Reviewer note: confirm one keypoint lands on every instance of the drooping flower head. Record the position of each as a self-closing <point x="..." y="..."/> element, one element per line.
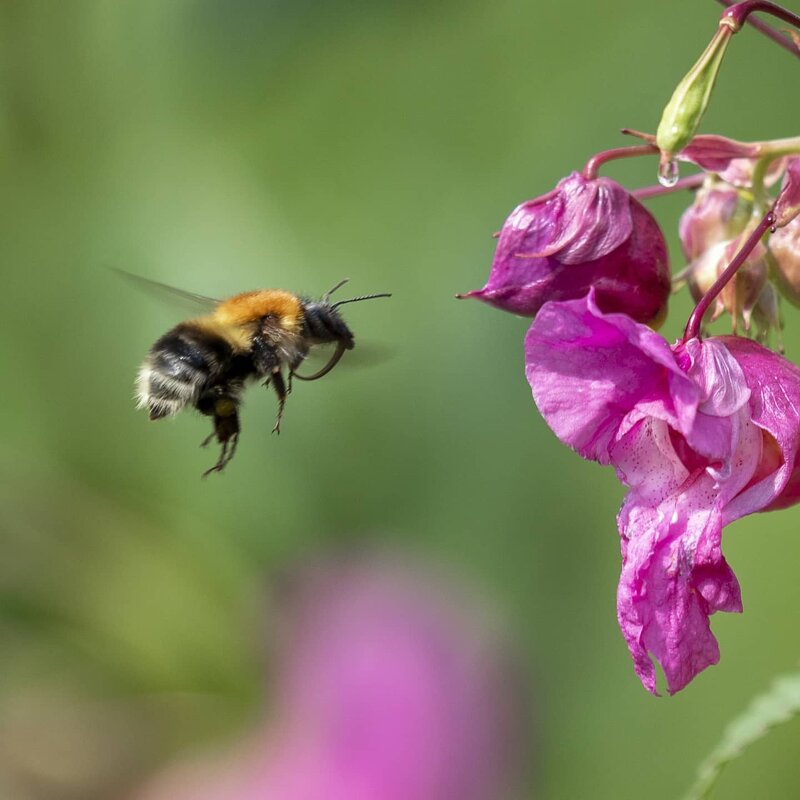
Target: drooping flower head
<point x="588" y="233"/>
<point x="701" y="433"/>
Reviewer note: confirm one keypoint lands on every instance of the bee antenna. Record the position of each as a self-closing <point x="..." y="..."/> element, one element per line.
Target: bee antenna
<point x="339" y="285"/>
<point x="358" y="299"/>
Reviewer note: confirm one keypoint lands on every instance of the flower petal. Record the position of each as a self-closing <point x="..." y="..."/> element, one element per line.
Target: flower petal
<point x="594" y="219"/>
<point x="718" y="375"/>
<point x="774" y="404"/>
<point x="667" y="591"/>
<point x="589" y="370"/>
<point x="673" y="573"/>
<point x="715" y="153"/>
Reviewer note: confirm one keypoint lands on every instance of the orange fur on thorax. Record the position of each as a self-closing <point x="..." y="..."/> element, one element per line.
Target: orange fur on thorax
<point x="251" y="306"/>
<point x="239" y="337"/>
<point x="236" y="318"/>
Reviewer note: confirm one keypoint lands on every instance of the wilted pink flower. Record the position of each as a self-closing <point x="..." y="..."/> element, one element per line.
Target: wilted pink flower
<point x="389" y="690"/>
<point x="586" y="233"/>
<point x="702" y="433"/>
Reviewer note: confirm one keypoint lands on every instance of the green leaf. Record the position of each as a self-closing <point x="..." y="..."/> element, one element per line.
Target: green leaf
<point x="778" y="705"/>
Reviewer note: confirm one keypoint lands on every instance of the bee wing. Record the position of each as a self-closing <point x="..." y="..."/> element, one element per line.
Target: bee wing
<point x="190" y="299"/>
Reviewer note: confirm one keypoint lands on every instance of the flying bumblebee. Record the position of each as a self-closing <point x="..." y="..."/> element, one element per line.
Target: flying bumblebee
<point x="206" y="362"/>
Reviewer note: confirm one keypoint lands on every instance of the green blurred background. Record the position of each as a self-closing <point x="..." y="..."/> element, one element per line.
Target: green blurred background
<point x="222" y="146"/>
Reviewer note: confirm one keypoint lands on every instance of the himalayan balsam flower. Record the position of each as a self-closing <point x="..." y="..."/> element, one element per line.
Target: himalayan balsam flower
<point x="586" y="233"/>
<point x="701" y="433"/>
<point x="388" y="690"/>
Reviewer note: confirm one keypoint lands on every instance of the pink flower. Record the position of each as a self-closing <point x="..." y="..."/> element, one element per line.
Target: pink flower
<point x="388" y="690"/>
<point x="586" y="233"/>
<point x="701" y="433"/>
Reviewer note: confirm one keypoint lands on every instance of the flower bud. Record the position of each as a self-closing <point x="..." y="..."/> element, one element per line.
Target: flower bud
<point x="586" y="233"/>
<point x="740" y="296"/>
<point x="784" y="248"/>
<point x="787" y="206"/>
<point x="717" y="214"/>
<point x="767" y="316"/>
<point x="689" y="101"/>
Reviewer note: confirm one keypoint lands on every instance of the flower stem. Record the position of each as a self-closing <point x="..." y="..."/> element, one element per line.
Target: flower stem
<point x="689" y="182"/>
<point x="596" y="161"/>
<point x="737" y="13"/>
<point x="695" y="320"/>
<point x="769" y="31"/>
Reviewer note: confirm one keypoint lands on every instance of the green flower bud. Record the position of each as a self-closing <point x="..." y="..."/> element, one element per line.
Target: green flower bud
<point x="689" y="101"/>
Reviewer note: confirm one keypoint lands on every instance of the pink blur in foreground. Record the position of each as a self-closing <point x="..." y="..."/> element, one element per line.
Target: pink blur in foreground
<point x="388" y="689"/>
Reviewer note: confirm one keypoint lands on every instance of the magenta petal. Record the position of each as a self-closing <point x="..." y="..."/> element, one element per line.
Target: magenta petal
<point x="673" y="573"/>
<point x="668" y="588"/>
<point x="774" y="384"/>
<point x="594" y="219"/>
<point x="719" y="377"/>
<point x="588" y="370"/>
<point x="715" y="153"/>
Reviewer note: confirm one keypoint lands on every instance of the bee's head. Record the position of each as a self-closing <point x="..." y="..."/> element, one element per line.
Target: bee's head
<point x="323" y="321"/>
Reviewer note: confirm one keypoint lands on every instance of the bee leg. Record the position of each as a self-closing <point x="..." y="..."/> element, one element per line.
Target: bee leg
<point x="226" y="431"/>
<point x="226" y="454"/>
<point x="280" y="389"/>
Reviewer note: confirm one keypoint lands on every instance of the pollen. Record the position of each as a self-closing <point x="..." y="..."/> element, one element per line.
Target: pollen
<point x="225" y="407"/>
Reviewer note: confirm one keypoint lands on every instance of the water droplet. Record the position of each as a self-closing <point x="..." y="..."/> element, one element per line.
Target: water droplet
<point x="668" y="173"/>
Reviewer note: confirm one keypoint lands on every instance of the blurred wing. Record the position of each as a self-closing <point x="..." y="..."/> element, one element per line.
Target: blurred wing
<point x="321" y="355"/>
<point x="191" y="300"/>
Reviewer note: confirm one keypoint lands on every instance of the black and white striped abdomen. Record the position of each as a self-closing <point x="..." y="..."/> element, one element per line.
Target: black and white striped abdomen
<point x="178" y="367"/>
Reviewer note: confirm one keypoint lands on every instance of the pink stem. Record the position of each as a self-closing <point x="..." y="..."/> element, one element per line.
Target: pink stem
<point x="695" y="320"/>
<point x="689" y="182"/>
<point x="768" y="30"/>
<point x="596" y="161"/>
<point x="739" y="12"/>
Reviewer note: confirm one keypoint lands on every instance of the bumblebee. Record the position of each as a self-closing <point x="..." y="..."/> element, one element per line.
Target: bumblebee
<point x="206" y="362"/>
